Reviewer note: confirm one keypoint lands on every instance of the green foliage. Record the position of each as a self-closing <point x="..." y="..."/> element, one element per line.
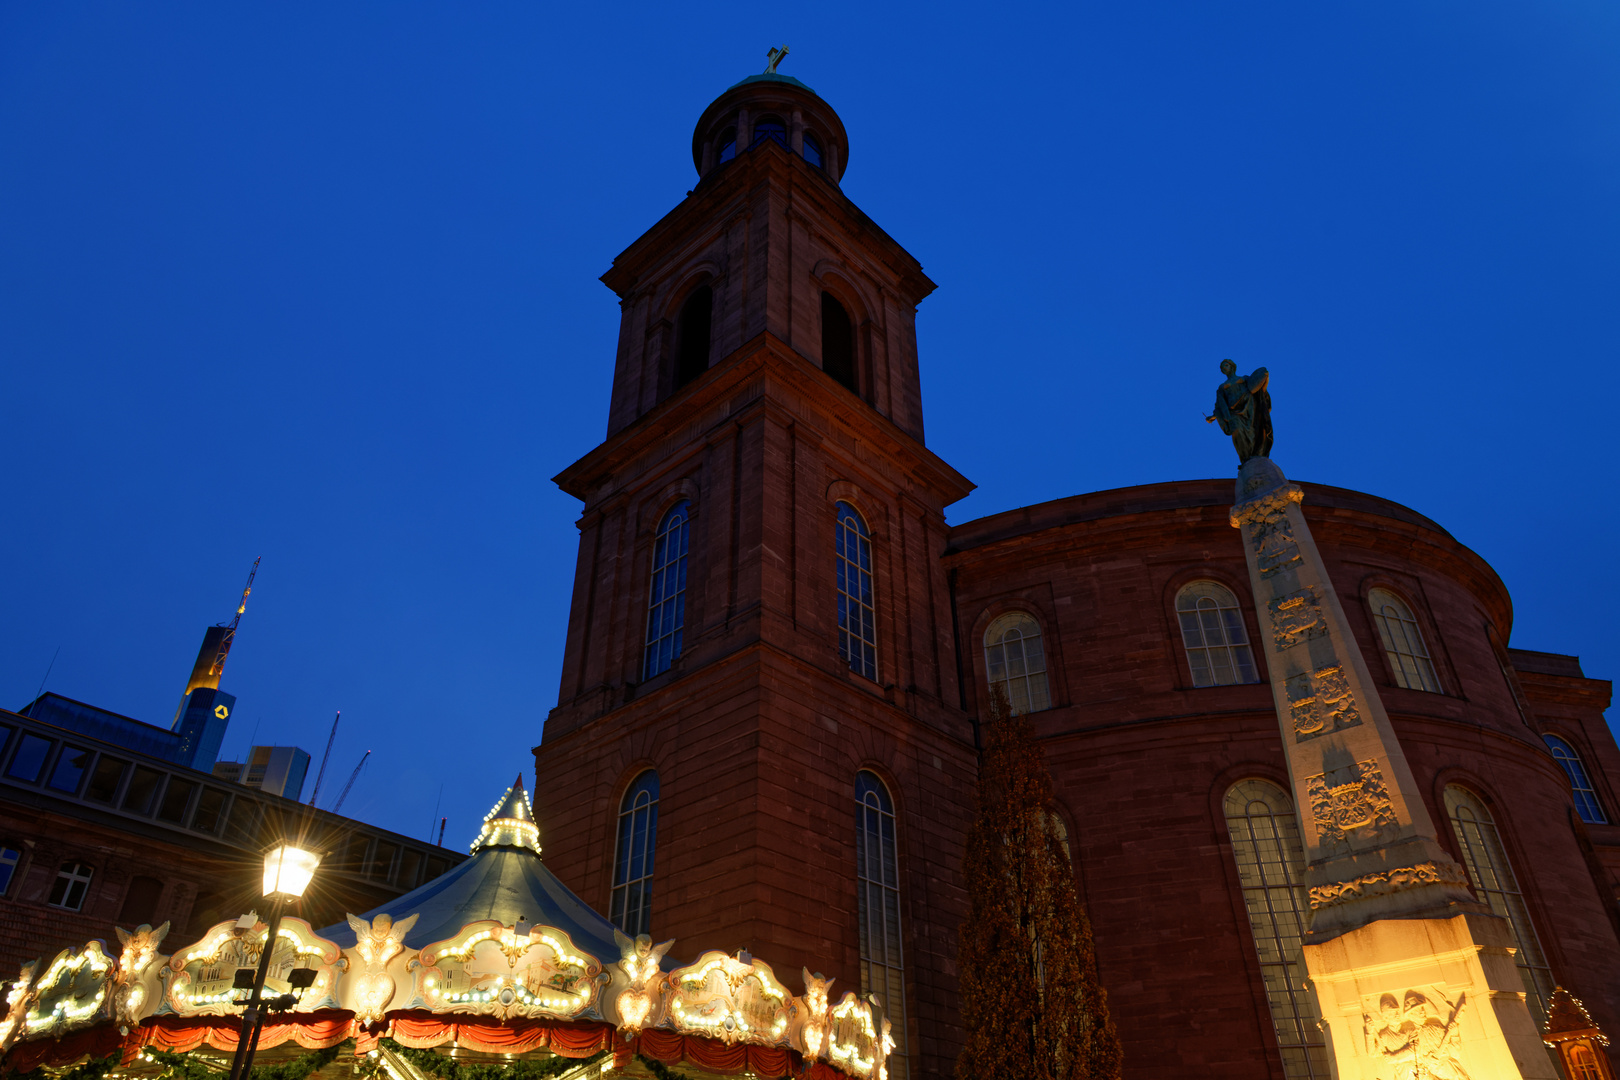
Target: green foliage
<point x="1032" y="1007"/>
<point x="94" y="1069"/>
<point x="660" y="1070"/>
<point x="186" y="1067"/>
<point x="448" y="1068"/>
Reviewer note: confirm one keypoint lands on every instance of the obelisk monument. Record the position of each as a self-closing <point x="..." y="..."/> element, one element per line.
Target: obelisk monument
<point x="1413" y="976"/>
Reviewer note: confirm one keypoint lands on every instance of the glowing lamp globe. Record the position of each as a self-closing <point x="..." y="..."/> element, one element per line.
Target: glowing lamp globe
<point x="287" y="870"/>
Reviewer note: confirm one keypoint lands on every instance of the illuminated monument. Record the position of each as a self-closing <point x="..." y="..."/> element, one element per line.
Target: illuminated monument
<point x="1410" y="971"/>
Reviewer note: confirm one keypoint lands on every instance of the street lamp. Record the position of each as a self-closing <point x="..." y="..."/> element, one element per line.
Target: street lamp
<point x="287" y="870"/>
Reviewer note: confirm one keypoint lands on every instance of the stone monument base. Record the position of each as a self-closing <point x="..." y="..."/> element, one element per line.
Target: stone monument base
<point x="1411" y="999"/>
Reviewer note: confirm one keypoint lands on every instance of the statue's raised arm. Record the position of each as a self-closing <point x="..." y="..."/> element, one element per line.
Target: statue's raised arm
<point x="1243" y="409"/>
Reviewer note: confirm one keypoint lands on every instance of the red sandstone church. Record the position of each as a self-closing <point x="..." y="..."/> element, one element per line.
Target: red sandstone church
<point x="779" y="654"/>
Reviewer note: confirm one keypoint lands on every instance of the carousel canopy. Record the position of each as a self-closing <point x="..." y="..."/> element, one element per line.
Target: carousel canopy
<point x="496" y="959"/>
<point x="504" y="880"/>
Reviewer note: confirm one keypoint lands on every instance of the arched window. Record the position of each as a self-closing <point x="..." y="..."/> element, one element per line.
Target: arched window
<point x="728" y="145"/>
<point x="837" y="341"/>
<point x="1271" y="870"/>
<point x="1212" y="631"/>
<point x="1586" y="800"/>
<point x="692" y="336"/>
<point x="769" y="127"/>
<point x="812" y="149"/>
<point x="666" y="608"/>
<point x="1494" y="883"/>
<point x="631" y="907"/>
<point x="877" y="881"/>
<point x="1583" y="1064"/>
<point x="71" y="885"/>
<point x="141" y="901"/>
<point x="1015" y="659"/>
<point x="1403" y="642"/>
<point x="857" y="611"/>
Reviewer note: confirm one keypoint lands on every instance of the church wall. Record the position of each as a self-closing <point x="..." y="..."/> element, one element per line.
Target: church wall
<point x="757" y="755"/>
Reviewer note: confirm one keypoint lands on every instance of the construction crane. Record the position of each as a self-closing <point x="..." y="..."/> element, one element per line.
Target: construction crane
<point x="218" y="667"/>
<point x="322" y="774"/>
<point x="344" y="794"/>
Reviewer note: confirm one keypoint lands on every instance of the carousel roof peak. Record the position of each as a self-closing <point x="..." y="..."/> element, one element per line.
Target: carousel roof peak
<point x="504" y="880"/>
<point x="510" y="822"/>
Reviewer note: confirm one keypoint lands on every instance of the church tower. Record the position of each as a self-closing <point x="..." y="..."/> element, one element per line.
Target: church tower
<point x="760" y="740"/>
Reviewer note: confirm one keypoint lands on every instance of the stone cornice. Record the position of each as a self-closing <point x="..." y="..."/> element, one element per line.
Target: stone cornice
<point x="1339" y="517"/>
<point x="713" y="399"/>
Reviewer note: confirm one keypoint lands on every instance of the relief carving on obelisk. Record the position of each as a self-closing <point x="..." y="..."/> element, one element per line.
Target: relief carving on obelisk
<point x="1321" y="702"/>
<point x="1416" y="1035"/>
<point x="1274" y="542"/>
<point x="1351" y="807"/>
<point x="1297" y="617"/>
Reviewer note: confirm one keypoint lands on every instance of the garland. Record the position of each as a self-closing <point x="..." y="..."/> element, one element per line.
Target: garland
<point x="448" y="1068"/>
<point x="94" y="1069"/>
<point x="660" y="1070"/>
<point x="185" y="1067"/>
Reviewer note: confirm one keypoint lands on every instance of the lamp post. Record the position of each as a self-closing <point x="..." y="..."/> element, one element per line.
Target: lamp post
<point x="287" y="870"/>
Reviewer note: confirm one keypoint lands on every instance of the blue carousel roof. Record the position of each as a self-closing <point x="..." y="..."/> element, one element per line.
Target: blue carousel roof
<point x="504" y="880"/>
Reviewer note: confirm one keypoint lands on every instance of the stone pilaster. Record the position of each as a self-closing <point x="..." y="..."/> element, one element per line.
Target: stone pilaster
<point x="1408" y="969"/>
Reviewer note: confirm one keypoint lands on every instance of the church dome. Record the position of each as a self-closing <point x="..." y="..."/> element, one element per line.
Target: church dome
<point x="766" y="108"/>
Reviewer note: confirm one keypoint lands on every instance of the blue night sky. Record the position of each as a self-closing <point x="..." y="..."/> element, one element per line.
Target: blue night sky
<point x="319" y="282"/>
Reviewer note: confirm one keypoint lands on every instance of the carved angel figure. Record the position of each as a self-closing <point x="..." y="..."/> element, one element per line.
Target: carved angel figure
<point x="19" y="996"/>
<point x="817" y="994"/>
<point x="641" y="962"/>
<point x="136" y="979"/>
<point x="1416" y="1042"/>
<point x="377" y="942"/>
<point x="1434" y="1040"/>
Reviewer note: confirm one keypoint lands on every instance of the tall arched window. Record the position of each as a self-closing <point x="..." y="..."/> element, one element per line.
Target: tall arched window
<point x="1212" y="631"/>
<point x="837" y="341"/>
<point x="71" y="885"/>
<point x="631" y="906"/>
<point x="666" y="608"/>
<point x="1494" y="883"/>
<point x="812" y="149"/>
<point x="877" y="881"/>
<point x="692" y="335"/>
<point x="728" y="145"/>
<point x="1586" y="800"/>
<point x="1015" y="659"/>
<point x="857" y="610"/>
<point x="1403" y="642"/>
<point x="1271" y="869"/>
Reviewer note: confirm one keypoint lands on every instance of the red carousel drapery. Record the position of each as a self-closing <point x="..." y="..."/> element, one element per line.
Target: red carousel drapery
<point x="421" y="1030"/>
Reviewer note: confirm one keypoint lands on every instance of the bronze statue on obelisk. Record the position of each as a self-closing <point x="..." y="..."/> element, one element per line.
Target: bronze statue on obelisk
<point x="1243" y="409"/>
<point x="1391" y="915"/>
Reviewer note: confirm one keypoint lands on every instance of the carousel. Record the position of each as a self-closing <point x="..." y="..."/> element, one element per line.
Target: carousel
<point x="493" y="971"/>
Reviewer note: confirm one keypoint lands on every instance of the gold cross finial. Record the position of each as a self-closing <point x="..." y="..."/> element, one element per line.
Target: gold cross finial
<point x="775" y="56"/>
